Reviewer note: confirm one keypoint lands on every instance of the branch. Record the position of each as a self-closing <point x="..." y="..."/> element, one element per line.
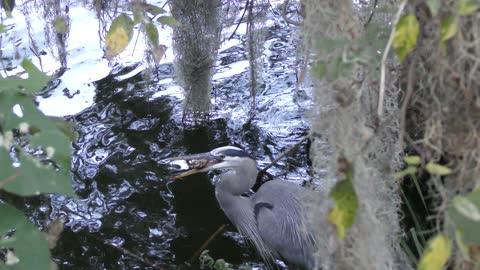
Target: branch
<point x="403" y="110"/>
<point x="284" y="153"/>
<point x="284" y="15"/>
<point x="205" y="244"/>
<point x="241" y="19"/>
<point x="384" y="60"/>
<point x="371" y="14"/>
<point x="125" y="252"/>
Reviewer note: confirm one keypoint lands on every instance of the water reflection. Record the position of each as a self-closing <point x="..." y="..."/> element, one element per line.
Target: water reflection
<point x="128" y="125"/>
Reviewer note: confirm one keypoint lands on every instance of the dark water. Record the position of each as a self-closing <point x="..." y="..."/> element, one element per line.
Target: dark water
<point x="119" y="172"/>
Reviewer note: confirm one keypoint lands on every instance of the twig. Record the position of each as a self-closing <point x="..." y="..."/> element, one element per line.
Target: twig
<point x="135" y="45"/>
<point x="126" y="252"/>
<point x="9" y="179"/>
<point x="371" y="14"/>
<point x="284" y="15"/>
<point x="205" y="244"/>
<point x="403" y="110"/>
<point x="303" y="70"/>
<point x="241" y="19"/>
<point x="384" y="59"/>
<point x="284" y="153"/>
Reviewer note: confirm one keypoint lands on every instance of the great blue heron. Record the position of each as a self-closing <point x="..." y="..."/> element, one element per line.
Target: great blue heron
<point x="273" y="219"/>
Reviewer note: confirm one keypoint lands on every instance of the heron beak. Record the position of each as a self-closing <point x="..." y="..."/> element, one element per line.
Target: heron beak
<point x="196" y="163"/>
<point x="189" y="172"/>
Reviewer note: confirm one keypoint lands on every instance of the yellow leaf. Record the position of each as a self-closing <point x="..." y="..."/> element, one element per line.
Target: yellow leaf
<point x="437" y="169"/>
<point x="412" y="160"/>
<point x="436" y="254"/>
<point x="467" y="7"/>
<point x="337" y="217"/>
<point x="408" y="171"/>
<point x="346" y="203"/>
<point x="405" y="36"/>
<point x="448" y="28"/>
<point x="60" y="25"/>
<point x="119" y="35"/>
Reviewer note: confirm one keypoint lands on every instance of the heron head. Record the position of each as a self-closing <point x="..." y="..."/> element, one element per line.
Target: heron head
<point x="220" y="158"/>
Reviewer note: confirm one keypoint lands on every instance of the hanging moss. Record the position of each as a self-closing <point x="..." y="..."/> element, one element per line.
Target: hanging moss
<point x="347" y="125"/>
<point x="196" y="42"/>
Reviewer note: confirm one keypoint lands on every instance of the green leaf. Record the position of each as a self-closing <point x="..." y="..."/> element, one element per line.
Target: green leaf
<point x="346" y="203"/>
<point x="448" y="28"/>
<point x="36" y="80"/>
<point x="119" y="35"/>
<point x="137" y="18"/>
<point x="466" y="208"/>
<point x="464" y="214"/>
<point x="405" y="36"/>
<point x="152" y="9"/>
<point x="467" y="7"/>
<point x="40" y="130"/>
<point x="333" y="69"/>
<point x="3" y="29"/>
<point x="8" y="119"/>
<point x="437" y="253"/>
<point x="327" y="44"/>
<point x="437" y="169"/>
<point x="434" y="6"/>
<point x="152" y="34"/>
<point x="320" y="69"/>
<point x="46" y="132"/>
<point x="30" y="247"/>
<point x="412" y="160"/>
<point x="169" y="20"/>
<point x="33" y="178"/>
<point x="461" y="245"/>
<point x="64" y="127"/>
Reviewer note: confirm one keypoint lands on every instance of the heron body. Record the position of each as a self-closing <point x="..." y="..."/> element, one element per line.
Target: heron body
<point x="274" y="219"/>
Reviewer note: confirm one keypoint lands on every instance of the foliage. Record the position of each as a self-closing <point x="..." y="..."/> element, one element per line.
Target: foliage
<point x="24" y="129"/>
<point x="26" y="247"/>
<point x="467" y="7"/>
<point x="446" y="139"/>
<point x="119" y="35"/>
<point x="436" y="254"/>
<point x="206" y="261"/>
<point x="464" y="216"/>
<point x="405" y="36"/>
<point x="121" y="30"/>
<point x="34" y="176"/>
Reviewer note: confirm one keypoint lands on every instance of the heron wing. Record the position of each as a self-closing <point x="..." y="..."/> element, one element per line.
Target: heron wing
<point x="280" y="213"/>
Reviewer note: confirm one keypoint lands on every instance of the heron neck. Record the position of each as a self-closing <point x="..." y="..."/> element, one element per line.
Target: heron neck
<point x="237" y="181"/>
<point x="237" y="208"/>
<point x="240" y="212"/>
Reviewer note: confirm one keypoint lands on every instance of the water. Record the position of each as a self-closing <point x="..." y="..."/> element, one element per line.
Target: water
<point x="127" y="127"/>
